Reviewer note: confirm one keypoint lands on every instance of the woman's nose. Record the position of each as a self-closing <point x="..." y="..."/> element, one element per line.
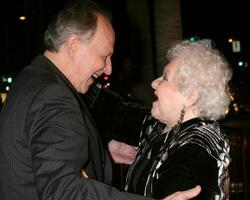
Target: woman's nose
<point x="155" y="83"/>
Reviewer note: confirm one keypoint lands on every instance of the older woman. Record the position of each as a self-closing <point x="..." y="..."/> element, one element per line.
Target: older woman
<point x="182" y="144"/>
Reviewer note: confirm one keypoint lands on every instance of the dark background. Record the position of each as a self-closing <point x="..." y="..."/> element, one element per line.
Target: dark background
<point x="215" y="20"/>
<point x="219" y="21"/>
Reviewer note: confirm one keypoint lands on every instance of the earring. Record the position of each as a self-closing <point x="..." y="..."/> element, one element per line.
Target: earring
<point x="182" y="115"/>
<point x="177" y="126"/>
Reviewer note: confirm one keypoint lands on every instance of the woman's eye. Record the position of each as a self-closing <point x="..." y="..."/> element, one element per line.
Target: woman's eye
<point x="164" y="77"/>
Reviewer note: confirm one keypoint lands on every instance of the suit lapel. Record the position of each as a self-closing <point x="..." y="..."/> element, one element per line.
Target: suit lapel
<point x="96" y="149"/>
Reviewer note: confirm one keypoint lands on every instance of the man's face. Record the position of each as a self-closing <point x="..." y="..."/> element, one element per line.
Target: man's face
<point x="93" y="57"/>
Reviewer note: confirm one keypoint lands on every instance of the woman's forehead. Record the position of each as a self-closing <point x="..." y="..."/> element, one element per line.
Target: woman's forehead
<point x="171" y="66"/>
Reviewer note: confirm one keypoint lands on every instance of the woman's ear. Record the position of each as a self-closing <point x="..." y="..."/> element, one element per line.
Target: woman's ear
<point x="191" y="99"/>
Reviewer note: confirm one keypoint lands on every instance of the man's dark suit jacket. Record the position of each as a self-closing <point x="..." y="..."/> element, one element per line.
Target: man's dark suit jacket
<point x="47" y="136"/>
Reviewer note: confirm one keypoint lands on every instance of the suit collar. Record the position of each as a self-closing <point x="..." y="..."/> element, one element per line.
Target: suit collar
<point x="93" y="135"/>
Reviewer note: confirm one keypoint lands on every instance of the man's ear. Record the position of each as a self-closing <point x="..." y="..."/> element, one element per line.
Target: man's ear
<point x="72" y="45"/>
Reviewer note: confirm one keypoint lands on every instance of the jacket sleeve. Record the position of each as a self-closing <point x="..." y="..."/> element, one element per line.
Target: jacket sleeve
<point x="189" y="166"/>
<point x="59" y="147"/>
<point x="114" y="117"/>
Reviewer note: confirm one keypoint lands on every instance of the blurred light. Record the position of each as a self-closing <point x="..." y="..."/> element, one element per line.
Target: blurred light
<point x="7" y="88"/>
<point x="106" y="78"/>
<point x="3" y="97"/>
<point x="22" y="18"/>
<point x="231" y="97"/>
<point x="230" y="40"/>
<point x="236" y="108"/>
<point x="240" y="63"/>
<point x="193" y="39"/>
<point x="9" y="80"/>
<point x="236" y="47"/>
<point x="108" y="84"/>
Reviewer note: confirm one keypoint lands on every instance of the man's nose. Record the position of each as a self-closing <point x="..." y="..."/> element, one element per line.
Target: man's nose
<point x="108" y="68"/>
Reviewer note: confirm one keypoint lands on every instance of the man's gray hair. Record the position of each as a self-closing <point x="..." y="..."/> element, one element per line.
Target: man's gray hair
<point x="78" y="17"/>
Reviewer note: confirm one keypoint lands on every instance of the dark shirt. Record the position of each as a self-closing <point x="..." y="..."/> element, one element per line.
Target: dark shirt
<point x="47" y="136"/>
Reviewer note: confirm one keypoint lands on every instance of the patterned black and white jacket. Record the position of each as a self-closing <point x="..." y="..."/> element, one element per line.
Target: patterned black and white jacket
<point x="196" y="152"/>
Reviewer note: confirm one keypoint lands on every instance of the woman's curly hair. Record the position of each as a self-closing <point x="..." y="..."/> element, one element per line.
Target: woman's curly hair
<point x="204" y="70"/>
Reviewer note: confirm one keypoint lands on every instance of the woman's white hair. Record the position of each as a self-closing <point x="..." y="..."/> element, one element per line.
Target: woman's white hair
<point x="204" y="71"/>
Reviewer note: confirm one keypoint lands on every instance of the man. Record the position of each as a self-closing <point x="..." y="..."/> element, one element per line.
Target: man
<point x="47" y="135"/>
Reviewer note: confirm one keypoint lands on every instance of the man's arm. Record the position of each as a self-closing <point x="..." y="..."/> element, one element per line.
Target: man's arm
<point x="60" y="147"/>
<point x="122" y="120"/>
<point x="121" y="152"/>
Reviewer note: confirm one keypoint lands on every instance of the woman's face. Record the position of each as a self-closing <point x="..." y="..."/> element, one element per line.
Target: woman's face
<point x="169" y="101"/>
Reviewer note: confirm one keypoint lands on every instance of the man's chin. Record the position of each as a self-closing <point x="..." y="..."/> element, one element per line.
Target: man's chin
<point x="84" y="89"/>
